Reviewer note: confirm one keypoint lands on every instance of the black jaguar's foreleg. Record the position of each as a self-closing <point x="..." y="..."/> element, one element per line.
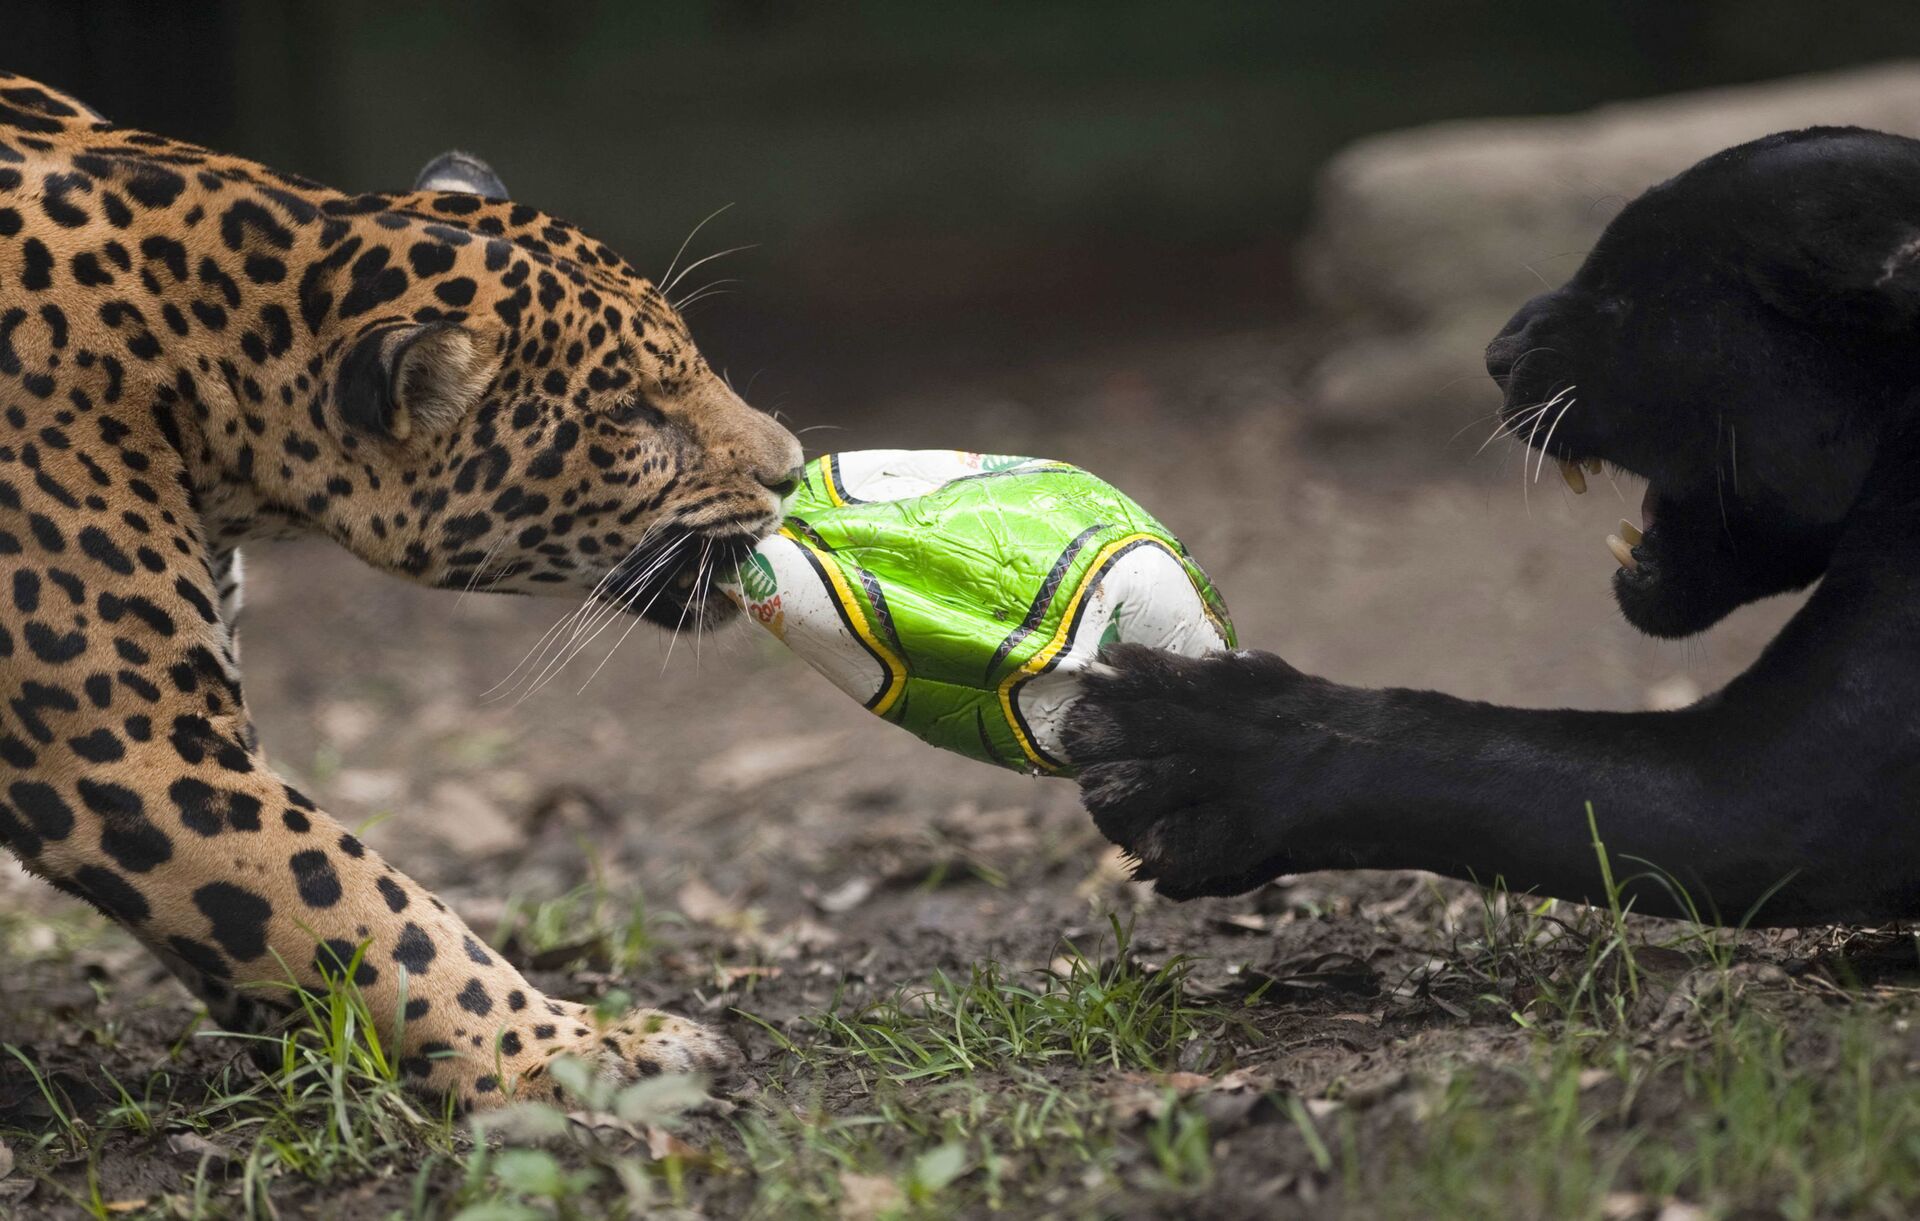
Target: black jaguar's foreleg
<point x="1787" y="798"/>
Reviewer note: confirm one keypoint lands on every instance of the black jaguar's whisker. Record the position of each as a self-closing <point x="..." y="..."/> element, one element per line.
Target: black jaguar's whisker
<point x="1525" y="496"/>
<point x="1520" y="420"/>
<point x="1547" y="445"/>
<point x="1614" y="483"/>
<point x="1507" y="427"/>
<point x="1522" y="358"/>
<point x="1490" y="415"/>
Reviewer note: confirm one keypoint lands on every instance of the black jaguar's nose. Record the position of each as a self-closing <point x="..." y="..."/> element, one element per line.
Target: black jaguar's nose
<point x="1515" y="339"/>
<point x="1501" y="355"/>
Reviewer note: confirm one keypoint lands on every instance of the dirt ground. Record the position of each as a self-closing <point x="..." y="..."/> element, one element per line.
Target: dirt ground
<point x="794" y="854"/>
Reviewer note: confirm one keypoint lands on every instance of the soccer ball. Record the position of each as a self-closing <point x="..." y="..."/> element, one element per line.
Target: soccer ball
<point x="960" y="595"/>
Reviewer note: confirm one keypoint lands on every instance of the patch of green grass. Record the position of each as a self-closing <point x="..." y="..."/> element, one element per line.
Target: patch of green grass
<point x="1743" y="1116"/>
<point x="327" y="1108"/>
<point x="1751" y="1121"/>
<point x="330" y="1105"/>
<point x="531" y="1162"/>
<point x="323" y="1104"/>
<point x="1578" y="970"/>
<point x="1014" y="1143"/>
<point x="991" y="1091"/>
<point x="588" y="924"/>
<point x="1083" y="1011"/>
<point x="1005" y="1144"/>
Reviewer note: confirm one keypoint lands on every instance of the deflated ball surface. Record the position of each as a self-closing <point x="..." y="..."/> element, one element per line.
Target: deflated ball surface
<point x="960" y="595"/>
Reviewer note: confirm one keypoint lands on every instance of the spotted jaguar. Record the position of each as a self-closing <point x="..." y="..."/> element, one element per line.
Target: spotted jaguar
<point x="197" y="352"/>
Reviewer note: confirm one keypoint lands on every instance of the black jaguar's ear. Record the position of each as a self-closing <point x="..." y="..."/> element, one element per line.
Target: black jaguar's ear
<point x="457" y="171"/>
<point x="400" y="380"/>
<point x="1896" y="285"/>
<point x="1859" y="273"/>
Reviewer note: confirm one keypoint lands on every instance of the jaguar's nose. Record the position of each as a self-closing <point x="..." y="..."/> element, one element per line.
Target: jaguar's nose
<point x="1515" y="339"/>
<point x="1502" y="354"/>
<point x="785" y="485"/>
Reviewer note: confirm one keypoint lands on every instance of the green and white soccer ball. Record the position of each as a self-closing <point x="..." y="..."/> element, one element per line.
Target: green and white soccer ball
<point x="961" y="595"/>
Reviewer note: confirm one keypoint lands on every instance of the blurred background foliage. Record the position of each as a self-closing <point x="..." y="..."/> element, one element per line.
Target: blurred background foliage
<point x="968" y="181"/>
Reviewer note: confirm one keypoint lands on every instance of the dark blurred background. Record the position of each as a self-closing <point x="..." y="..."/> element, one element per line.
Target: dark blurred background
<point x="929" y="185"/>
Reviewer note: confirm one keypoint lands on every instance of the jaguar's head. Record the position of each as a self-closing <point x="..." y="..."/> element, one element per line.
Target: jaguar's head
<point x="532" y="415"/>
<point x="1742" y="337"/>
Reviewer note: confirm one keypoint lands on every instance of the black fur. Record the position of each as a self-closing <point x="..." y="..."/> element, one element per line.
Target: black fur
<point x="1745" y="336"/>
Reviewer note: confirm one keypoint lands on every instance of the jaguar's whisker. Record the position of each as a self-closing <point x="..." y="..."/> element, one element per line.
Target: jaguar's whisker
<point x="682" y="621"/>
<point x="551" y="636"/>
<point x="667" y="288"/>
<point x="1546" y="445"/>
<point x="1508" y="428"/>
<point x="702" y="295"/>
<point x="685" y="242"/>
<point x="638" y="618"/>
<point x="613" y="607"/>
<point x="481" y="569"/>
<point x="697" y="293"/>
<point x="1525" y="497"/>
<point x="703" y="589"/>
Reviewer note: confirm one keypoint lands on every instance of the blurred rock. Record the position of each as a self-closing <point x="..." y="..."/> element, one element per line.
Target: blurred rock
<point x="767" y="761"/>
<point x="347" y="723"/>
<point x="842" y="898"/>
<point x="1425" y="241"/>
<point x="470" y="823"/>
<point x="368" y="786"/>
<point x="1672" y="693"/>
<point x="570" y="808"/>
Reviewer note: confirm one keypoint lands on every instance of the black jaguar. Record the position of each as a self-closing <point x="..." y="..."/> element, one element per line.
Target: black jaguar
<point x="1745" y="338"/>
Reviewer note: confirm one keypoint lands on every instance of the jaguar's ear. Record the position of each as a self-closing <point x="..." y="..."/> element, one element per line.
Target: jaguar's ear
<point x="457" y="171"/>
<point x="1896" y="285"/>
<point x="402" y="380"/>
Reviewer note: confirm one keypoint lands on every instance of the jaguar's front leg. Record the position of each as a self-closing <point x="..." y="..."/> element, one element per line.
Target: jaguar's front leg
<point x="221" y="866"/>
<point x="139" y="792"/>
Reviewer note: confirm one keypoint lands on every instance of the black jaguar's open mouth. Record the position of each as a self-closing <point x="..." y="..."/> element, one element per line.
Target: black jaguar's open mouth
<point x="1672" y="576"/>
<point x="1633" y="546"/>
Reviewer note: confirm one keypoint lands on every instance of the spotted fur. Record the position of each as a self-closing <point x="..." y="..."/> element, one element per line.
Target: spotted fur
<point x="197" y="352"/>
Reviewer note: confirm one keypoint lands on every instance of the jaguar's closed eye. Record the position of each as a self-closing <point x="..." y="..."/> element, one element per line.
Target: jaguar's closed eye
<point x="635" y="409"/>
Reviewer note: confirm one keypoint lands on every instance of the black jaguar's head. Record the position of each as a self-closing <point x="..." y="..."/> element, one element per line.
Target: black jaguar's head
<point x="1746" y="338"/>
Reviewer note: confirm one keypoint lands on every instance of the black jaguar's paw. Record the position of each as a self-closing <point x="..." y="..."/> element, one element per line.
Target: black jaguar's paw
<point x="1177" y="764"/>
